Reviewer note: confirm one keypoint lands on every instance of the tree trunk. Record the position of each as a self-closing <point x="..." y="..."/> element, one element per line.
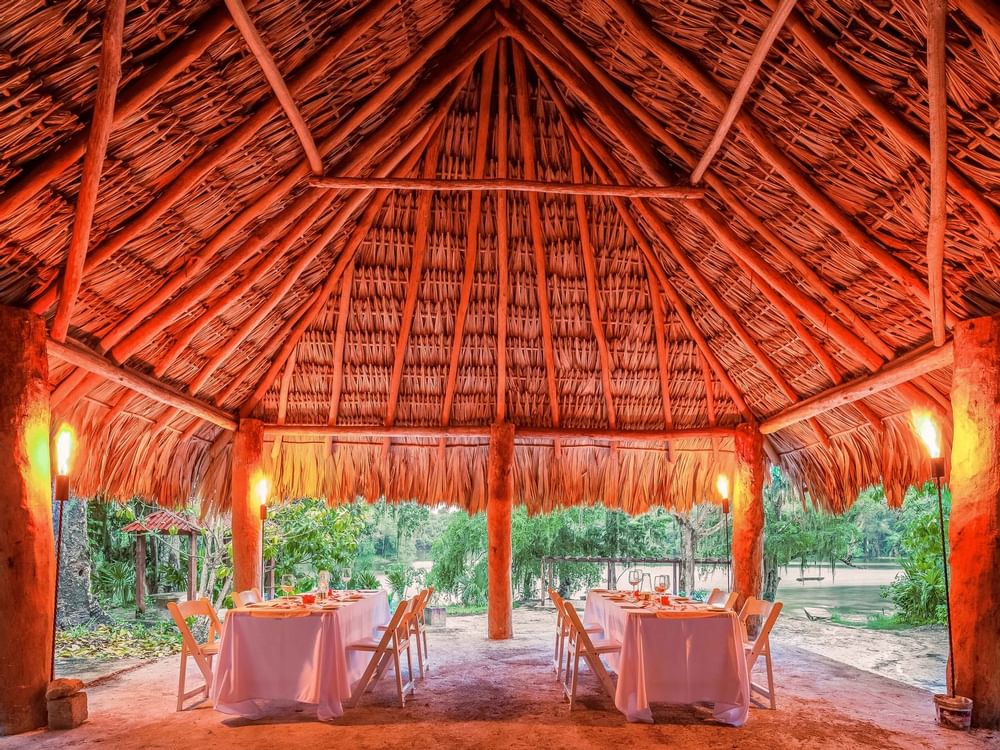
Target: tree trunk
<point x="771" y="578"/>
<point x="77" y="605"/>
<point x="689" y="547"/>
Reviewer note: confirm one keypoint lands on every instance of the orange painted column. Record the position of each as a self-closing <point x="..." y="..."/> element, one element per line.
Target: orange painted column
<point x="27" y="548"/>
<point x="748" y="513"/>
<point x="975" y="517"/>
<point x="247" y="470"/>
<point x="500" y="491"/>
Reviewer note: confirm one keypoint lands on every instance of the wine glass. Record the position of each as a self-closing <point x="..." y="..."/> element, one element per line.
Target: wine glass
<point x="660" y="584"/>
<point x="322" y="584"/>
<point x="635" y="578"/>
<point x="345" y="576"/>
<point x="288" y="584"/>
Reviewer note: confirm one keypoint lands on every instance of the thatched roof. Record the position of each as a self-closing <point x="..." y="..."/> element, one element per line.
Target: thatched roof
<point x="216" y="266"/>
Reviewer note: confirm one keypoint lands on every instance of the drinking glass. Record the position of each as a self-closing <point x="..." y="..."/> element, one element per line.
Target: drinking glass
<point x="345" y="576"/>
<point x="322" y="584"/>
<point x="288" y="584"/>
<point x="660" y="584"/>
<point x="635" y="578"/>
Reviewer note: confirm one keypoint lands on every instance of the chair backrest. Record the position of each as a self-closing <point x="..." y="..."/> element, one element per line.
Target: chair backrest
<point x="243" y="598"/>
<point x="558" y="601"/>
<point x="396" y="622"/>
<point x="180" y="612"/>
<point x="767" y="612"/>
<point x="731" y="598"/>
<point x="728" y="601"/>
<point x="716" y="597"/>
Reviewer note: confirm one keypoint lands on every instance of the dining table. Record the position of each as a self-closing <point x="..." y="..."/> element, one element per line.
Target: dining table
<point x="283" y="654"/>
<point x="682" y="653"/>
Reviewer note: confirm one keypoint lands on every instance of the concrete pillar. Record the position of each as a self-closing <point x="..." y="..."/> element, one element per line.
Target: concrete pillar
<point x="748" y="513"/>
<point x="27" y="548"/>
<point x="975" y="517"/>
<point x="500" y="489"/>
<point x="247" y="470"/>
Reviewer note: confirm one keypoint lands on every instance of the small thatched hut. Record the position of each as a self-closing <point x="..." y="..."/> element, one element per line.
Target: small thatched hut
<point x="529" y="251"/>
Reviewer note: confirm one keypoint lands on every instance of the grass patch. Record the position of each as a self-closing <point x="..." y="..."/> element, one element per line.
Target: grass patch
<point x="461" y="610"/>
<point x="872" y="622"/>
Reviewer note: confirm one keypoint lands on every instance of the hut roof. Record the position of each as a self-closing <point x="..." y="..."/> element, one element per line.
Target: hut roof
<point x="220" y="266"/>
<point x="162" y="521"/>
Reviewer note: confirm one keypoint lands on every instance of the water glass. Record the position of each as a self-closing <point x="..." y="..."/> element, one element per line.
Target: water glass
<point x="288" y="584"/>
<point x="661" y="583"/>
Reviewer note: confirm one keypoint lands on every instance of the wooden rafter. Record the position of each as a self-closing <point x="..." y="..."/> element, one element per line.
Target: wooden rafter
<point x="536" y="227"/>
<point x="771" y="32"/>
<point x="895" y="373"/>
<point x="472" y="235"/>
<point x="604" y="85"/>
<point x="78" y="355"/>
<point x="429" y="129"/>
<point x="270" y="70"/>
<point x="937" y="99"/>
<point x="343" y="315"/>
<point x="503" y="230"/>
<point x="345" y="128"/>
<point x="108" y="75"/>
<point x="986" y="15"/>
<point x="480" y="185"/>
<point x="286" y="385"/>
<point x="590" y="269"/>
<point x="422" y="228"/>
<point x="662" y="350"/>
<point x="381" y="432"/>
<point x="892" y="121"/>
<point x="680" y="64"/>
<point x="185" y="50"/>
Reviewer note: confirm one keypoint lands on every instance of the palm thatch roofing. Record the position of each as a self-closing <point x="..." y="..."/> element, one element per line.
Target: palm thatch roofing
<point x="218" y="264"/>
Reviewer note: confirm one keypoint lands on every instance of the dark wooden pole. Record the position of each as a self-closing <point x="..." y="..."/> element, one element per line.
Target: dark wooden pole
<point x="27" y="549"/>
<point x="500" y="488"/>
<point x="975" y="517"/>
<point x="748" y="513"/>
<point x="247" y="470"/>
<point x="192" y="565"/>
<point x="140" y="573"/>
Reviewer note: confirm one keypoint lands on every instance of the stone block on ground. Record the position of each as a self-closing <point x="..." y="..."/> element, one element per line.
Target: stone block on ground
<point x="69" y="712"/>
<point x="63" y="687"/>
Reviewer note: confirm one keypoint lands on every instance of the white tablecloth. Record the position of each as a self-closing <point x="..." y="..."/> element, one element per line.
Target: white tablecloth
<point x="267" y="664"/>
<point x="679" y="660"/>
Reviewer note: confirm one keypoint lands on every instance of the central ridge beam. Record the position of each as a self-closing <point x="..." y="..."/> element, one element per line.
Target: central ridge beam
<point x="479" y="185"/>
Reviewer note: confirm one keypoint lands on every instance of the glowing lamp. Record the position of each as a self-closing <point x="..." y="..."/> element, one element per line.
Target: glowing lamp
<point x="64" y="454"/>
<point x="927" y="430"/>
<point x="262" y="489"/>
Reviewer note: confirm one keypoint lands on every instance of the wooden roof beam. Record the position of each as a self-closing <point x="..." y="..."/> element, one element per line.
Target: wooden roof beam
<point x="893" y="122"/>
<point x="771" y="32"/>
<point x="680" y="64"/>
<point x="662" y="350"/>
<point x="937" y="99"/>
<point x="76" y="354"/>
<point x="472" y="236"/>
<point x="343" y="315"/>
<point x="503" y="229"/>
<point x="590" y="269"/>
<point x="477" y="185"/>
<point x="270" y="69"/>
<point x="381" y="432"/>
<point x="286" y="385"/>
<point x="604" y="85"/>
<point x="108" y="75"/>
<point x="422" y="228"/>
<point x="193" y="175"/>
<point x="460" y="65"/>
<point x="182" y="52"/>
<point x="895" y="373"/>
<point x="537" y="229"/>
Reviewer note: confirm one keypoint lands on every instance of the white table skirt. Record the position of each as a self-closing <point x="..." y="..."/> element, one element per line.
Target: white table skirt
<point x="676" y="660"/>
<point x="266" y="664"/>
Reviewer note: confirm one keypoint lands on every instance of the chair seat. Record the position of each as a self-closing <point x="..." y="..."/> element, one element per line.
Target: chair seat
<point x="209" y="649"/>
<point x="606" y="646"/>
<point x="365" y="644"/>
<point x="593" y="629"/>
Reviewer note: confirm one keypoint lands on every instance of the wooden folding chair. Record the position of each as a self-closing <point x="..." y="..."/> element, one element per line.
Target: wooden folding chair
<point x="202" y="653"/>
<point x="728" y="601"/>
<point x="591" y="652"/>
<point x="395" y="639"/>
<point x="422" y="617"/>
<point x="243" y="598"/>
<point x="563" y="633"/>
<point x="761" y="645"/>
<point x="414" y="626"/>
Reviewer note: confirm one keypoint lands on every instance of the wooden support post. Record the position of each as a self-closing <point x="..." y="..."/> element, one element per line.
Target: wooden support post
<point x="975" y="517"/>
<point x="500" y="488"/>
<point x="27" y="550"/>
<point x="192" y="566"/>
<point x="748" y="513"/>
<point x="140" y="573"/>
<point x="248" y="453"/>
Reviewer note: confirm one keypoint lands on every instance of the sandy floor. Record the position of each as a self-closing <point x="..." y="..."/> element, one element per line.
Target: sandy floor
<point x="502" y="694"/>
